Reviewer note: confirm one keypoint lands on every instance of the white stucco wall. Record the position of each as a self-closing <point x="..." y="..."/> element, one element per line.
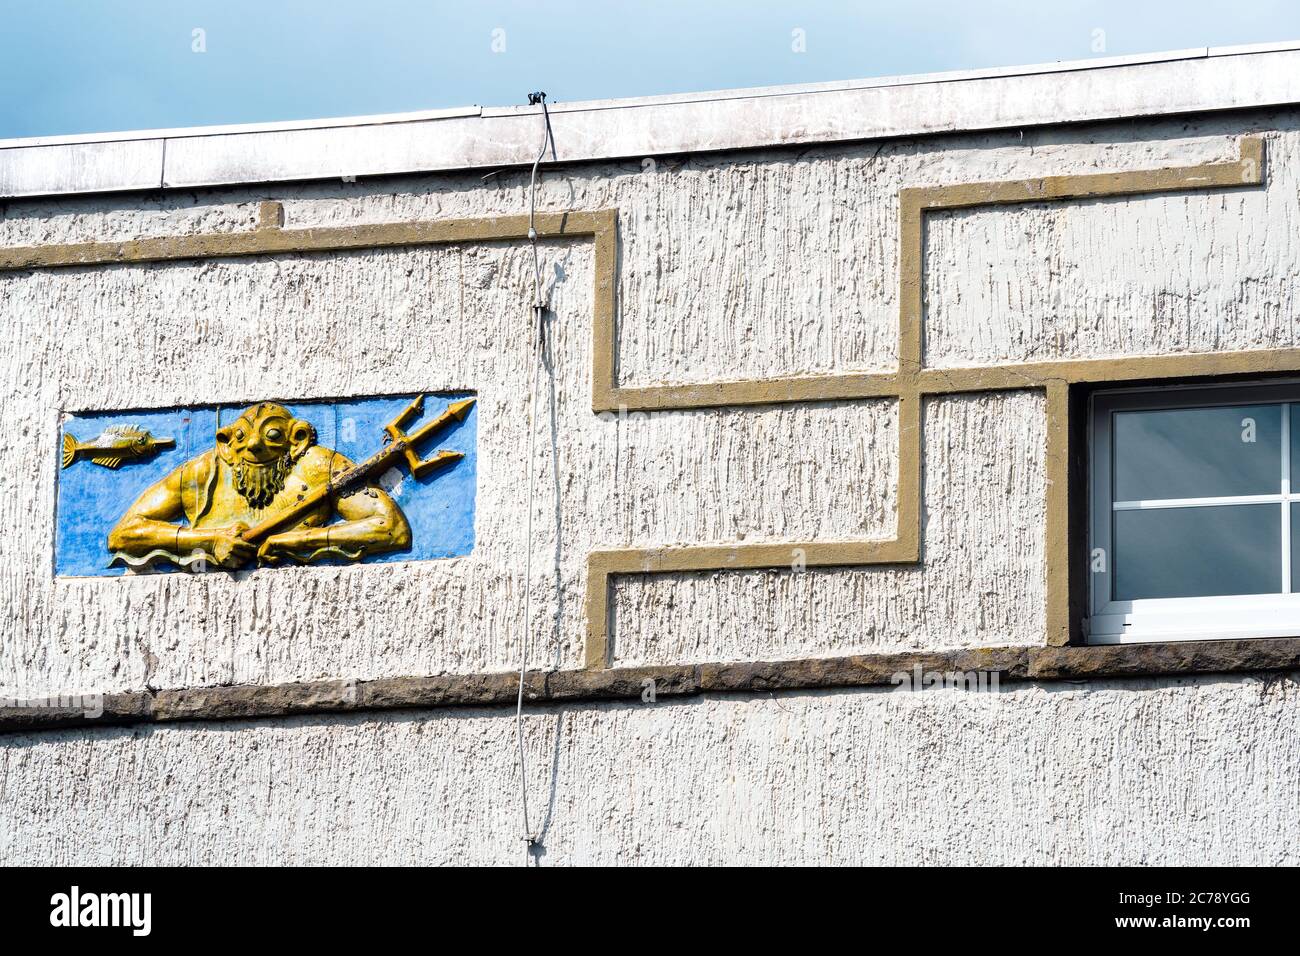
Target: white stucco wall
<point x="1194" y="772"/>
<point x="776" y="262"/>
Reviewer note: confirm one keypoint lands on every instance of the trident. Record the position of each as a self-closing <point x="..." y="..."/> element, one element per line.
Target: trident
<point x="398" y="447"/>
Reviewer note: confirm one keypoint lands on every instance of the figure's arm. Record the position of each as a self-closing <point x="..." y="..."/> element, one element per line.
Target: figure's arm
<point x="151" y="524"/>
<point x="372" y="522"/>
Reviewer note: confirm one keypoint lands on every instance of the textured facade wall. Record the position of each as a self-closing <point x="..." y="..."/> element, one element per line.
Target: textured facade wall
<point x="1168" y="772"/>
<point x="740" y="266"/>
<point x="982" y="580"/>
<point x="1196" y="272"/>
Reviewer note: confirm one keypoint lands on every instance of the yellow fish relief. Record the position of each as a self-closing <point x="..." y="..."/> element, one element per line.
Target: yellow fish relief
<point x="116" y="444"/>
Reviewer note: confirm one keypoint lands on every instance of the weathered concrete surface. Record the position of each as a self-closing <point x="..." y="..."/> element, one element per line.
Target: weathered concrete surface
<point x="758" y="264"/>
<point x="232" y="332"/>
<point x="1139" y="772"/>
<point x="791" y="271"/>
<point x="359" y="324"/>
<point x="981" y="581"/>
<point x="1195" y="273"/>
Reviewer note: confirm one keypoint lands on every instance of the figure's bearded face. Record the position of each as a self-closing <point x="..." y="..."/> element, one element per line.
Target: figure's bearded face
<point x="261" y="448"/>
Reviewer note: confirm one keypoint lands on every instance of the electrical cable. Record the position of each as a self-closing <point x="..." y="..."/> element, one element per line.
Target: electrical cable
<point x="538" y="345"/>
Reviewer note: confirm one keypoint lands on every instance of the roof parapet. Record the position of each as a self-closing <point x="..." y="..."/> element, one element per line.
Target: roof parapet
<point x="1148" y="85"/>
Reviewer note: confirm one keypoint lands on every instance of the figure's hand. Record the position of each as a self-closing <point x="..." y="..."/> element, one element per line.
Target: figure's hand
<point x="229" y="549"/>
<point x="279" y="547"/>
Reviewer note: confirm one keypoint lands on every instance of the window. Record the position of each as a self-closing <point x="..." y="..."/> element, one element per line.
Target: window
<point x="1195" y="534"/>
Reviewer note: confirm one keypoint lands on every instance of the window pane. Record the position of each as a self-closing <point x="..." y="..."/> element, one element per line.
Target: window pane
<point x="1295" y="447"/>
<point x="1198" y="452"/>
<point x="1196" y="552"/>
<point x="1295" y="545"/>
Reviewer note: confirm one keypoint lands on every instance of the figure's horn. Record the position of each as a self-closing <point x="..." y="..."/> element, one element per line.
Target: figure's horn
<point x="164" y="442"/>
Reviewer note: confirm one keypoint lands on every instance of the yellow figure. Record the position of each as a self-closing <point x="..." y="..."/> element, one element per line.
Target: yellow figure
<point x="265" y="464"/>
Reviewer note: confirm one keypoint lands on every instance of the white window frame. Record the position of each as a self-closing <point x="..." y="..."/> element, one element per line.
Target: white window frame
<point x="1192" y="618"/>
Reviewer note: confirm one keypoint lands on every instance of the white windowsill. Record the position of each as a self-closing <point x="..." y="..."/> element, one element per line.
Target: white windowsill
<point x="1196" y="619"/>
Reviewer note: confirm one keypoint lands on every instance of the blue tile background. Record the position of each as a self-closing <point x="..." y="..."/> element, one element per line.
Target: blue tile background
<point x="439" y="507"/>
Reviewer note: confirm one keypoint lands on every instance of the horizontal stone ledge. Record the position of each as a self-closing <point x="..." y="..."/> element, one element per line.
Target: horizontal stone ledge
<point x="1012" y="664"/>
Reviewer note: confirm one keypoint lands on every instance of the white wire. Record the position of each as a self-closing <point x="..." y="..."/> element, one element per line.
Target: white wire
<point x="538" y="345"/>
<point x="528" y="613"/>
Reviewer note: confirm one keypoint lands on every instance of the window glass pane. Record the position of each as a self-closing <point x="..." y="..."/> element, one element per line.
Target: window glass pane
<point x="1295" y="545"/>
<point x="1198" y="452"/>
<point x="1196" y="552"/>
<point x="1295" y="447"/>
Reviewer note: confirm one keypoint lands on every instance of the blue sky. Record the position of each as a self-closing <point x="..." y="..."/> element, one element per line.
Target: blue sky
<point x="73" y="66"/>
